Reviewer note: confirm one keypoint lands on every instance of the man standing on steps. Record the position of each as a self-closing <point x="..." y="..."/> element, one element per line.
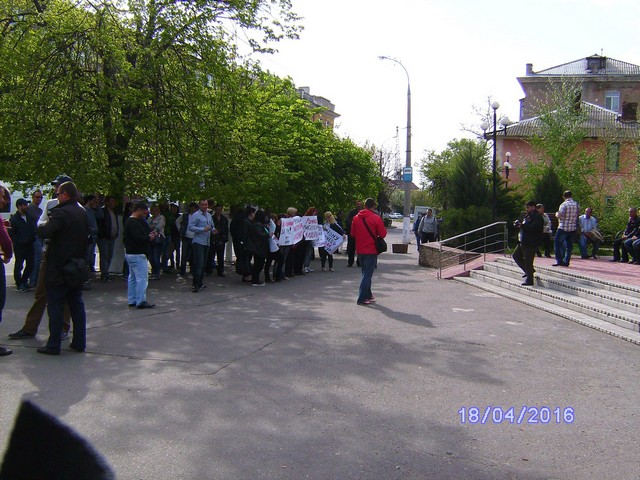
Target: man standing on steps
<point x="567" y="226"/>
<point x="530" y="237"/>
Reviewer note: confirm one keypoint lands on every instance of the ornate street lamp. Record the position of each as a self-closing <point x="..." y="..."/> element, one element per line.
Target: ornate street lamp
<point x="504" y="122"/>
<point x="507" y="166"/>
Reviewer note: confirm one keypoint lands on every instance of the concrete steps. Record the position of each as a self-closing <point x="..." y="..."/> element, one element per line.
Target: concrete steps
<point x="604" y="305"/>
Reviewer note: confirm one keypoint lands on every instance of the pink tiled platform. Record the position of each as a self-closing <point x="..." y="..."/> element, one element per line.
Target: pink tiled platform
<point x="600" y="268"/>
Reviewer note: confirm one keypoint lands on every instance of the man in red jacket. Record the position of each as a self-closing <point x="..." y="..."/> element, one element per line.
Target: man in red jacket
<point x="367" y="226"/>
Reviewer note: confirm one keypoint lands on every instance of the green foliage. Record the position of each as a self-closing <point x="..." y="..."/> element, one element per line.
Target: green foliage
<point x="469" y="180"/>
<point x="558" y="145"/>
<point x="547" y="189"/>
<point x="459" y="185"/>
<point x="614" y="217"/>
<point x="150" y="98"/>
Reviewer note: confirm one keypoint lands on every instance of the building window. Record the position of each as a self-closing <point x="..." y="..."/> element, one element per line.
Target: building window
<point x="609" y="205"/>
<point x="613" y="157"/>
<point x="612" y="101"/>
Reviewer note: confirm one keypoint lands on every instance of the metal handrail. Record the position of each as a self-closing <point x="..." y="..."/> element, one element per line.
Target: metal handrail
<point x="488" y="243"/>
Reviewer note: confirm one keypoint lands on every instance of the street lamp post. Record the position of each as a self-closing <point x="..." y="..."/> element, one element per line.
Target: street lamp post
<point x="504" y="122"/>
<point x="406" y="224"/>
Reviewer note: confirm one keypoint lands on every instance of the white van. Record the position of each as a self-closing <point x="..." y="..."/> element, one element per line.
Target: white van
<point x="25" y="193"/>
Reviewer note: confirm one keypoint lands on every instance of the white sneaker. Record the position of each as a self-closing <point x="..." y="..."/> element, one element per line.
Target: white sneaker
<point x="331" y="269"/>
<point x="309" y="270"/>
<point x="324" y="269"/>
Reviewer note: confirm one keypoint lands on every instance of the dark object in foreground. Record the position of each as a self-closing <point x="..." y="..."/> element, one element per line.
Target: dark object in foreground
<point x="43" y="448"/>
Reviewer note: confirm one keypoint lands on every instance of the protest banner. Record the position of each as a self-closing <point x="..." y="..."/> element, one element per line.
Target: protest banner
<point x="333" y="240"/>
<point x="312" y="230"/>
<point x="291" y="231"/>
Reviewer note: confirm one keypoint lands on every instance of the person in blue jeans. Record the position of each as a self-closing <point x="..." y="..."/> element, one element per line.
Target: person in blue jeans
<point x="201" y="224"/>
<point x="366" y="228"/>
<point x="567" y="225"/>
<point x="138" y="237"/>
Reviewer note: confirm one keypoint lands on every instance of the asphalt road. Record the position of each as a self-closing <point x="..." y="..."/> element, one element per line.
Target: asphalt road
<point x="296" y="381"/>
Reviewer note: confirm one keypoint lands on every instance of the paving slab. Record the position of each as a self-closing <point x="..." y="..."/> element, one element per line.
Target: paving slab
<point x="296" y="381"/>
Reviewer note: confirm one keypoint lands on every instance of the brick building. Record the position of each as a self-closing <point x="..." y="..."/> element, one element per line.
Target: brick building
<point x="609" y="97"/>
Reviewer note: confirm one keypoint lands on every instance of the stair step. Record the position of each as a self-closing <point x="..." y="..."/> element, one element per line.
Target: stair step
<point x="580" y="278"/>
<point x="627" y="301"/>
<point x="544" y="305"/>
<point x="569" y="301"/>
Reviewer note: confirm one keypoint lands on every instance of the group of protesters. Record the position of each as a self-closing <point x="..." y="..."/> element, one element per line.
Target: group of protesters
<point x="268" y="247"/>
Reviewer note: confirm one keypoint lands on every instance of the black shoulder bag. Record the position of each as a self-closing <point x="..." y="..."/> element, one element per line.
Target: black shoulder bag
<point x="381" y="245"/>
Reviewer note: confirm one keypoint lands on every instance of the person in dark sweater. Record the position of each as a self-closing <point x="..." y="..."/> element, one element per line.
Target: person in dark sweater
<point x="529" y="238"/>
<point x="137" y="239"/>
<point x="23" y="236"/>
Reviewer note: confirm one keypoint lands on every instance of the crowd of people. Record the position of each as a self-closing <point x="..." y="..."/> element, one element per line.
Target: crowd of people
<point x="161" y="240"/>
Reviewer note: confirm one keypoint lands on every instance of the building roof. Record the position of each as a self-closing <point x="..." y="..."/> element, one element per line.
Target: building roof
<point x="599" y="122"/>
<point x="593" y="65"/>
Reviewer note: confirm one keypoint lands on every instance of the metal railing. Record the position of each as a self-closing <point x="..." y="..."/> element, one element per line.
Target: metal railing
<point x="468" y="246"/>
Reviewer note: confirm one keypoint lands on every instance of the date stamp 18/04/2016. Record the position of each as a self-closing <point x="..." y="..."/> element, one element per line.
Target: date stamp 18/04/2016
<point x="524" y="415"/>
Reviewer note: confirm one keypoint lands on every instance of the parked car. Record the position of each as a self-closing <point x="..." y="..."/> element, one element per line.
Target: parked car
<point x="395" y="215"/>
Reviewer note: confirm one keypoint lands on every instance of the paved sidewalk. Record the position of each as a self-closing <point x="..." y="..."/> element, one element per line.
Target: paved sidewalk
<point x="296" y="381"/>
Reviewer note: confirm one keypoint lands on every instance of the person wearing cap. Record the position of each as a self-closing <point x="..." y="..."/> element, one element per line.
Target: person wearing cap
<point x="23" y="235"/>
<point x="529" y="240"/>
<point x="6" y="249"/>
<point x="67" y="232"/>
<point x="36" y="312"/>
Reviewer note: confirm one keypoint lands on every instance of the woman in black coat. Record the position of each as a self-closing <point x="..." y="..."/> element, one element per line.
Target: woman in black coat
<point x="257" y="243"/>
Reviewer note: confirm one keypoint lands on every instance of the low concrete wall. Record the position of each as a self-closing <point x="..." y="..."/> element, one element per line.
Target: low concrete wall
<point x="430" y="256"/>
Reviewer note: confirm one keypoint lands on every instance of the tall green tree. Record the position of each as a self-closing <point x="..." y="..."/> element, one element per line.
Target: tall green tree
<point x="558" y="144"/>
<point x="121" y="94"/>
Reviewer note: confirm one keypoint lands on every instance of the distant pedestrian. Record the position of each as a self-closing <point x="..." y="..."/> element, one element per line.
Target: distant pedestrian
<point x="201" y="224"/>
<point x="529" y="239"/>
<point x="138" y="237"/>
<point x="416" y="230"/>
<point x="34" y="211"/>
<point x="23" y="235"/>
<point x="546" y="232"/>
<point x="108" y="228"/>
<point x="351" y="240"/>
<point x="7" y="252"/>
<point x="428" y="227"/>
<point x="366" y="228"/>
<point x="567" y="226"/>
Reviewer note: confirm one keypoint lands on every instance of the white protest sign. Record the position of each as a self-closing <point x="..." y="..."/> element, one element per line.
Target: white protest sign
<point x="333" y="240"/>
<point x="321" y="239"/>
<point x="312" y="230"/>
<point x="290" y="231"/>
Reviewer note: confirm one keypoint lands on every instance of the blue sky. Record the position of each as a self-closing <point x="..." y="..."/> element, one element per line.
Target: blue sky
<point x="457" y="53"/>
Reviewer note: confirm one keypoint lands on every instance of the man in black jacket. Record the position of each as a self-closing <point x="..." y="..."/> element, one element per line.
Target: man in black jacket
<point x="530" y="237"/>
<point x="351" y="241"/>
<point x="108" y="228"/>
<point x="67" y="231"/>
<point x="23" y="236"/>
